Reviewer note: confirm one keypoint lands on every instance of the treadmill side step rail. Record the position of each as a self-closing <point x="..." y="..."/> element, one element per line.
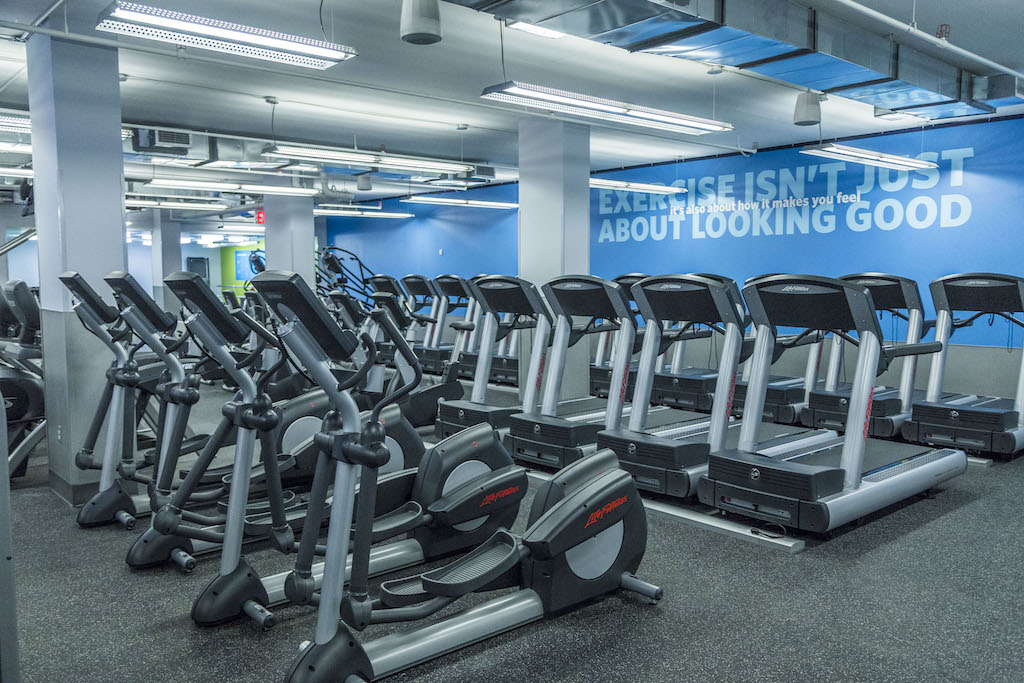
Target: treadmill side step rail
<point x="896" y="468"/>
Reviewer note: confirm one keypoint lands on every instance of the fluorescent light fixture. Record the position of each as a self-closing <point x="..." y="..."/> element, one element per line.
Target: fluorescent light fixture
<point x="868" y="157"/>
<point x="455" y="182"/>
<point x="15" y="124"/>
<point x="126" y="133"/>
<point x="364" y="214"/>
<point x="172" y="196"/>
<point x="175" y="161"/>
<point x="184" y="240"/>
<point x="235" y="239"/>
<point x="368" y="159"/>
<point x="243" y="165"/>
<point x="16" y="147"/>
<point x="8" y="172"/>
<point x="534" y="29"/>
<point x="153" y="23"/>
<point x="351" y="207"/>
<point x="209" y="185"/>
<point x="578" y="104"/>
<point x="282" y="190"/>
<point x="194" y="206"/>
<point x="452" y="201"/>
<point x="627" y="186"/>
<point x="141" y="203"/>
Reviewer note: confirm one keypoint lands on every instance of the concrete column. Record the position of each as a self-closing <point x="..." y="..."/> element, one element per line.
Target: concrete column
<point x="554" y="220"/>
<point x="290" y="235"/>
<point x="74" y="101"/>
<point x="166" y="258"/>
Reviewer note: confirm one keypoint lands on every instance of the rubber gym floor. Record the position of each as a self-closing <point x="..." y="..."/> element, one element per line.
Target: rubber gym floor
<point x="929" y="590"/>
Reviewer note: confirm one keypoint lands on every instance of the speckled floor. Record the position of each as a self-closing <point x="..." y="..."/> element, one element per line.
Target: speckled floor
<point x="929" y="591"/>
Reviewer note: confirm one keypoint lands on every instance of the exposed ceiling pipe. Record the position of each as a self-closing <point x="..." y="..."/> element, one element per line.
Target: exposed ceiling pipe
<point x="939" y="43"/>
<point x="43" y="17"/>
<point x="241" y="208"/>
<point x="106" y="42"/>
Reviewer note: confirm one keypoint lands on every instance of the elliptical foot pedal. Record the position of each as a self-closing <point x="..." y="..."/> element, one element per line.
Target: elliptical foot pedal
<point x="398" y="521"/>
<point x="500" y="553"/>
<point x="403" y="592"/>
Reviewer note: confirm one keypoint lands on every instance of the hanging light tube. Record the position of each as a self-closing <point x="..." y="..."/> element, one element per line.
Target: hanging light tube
<point x="627" y="186"/>
<point x="364" y="214"/>
<point x="578" y="104"/>
<point x="167" y="26"/>
<point x="534" y="29"/>
<point x="453" y="201"/>
<point x="868" y="157"/>
<point x="15" y="124"/>
<point x="368" y="159"/>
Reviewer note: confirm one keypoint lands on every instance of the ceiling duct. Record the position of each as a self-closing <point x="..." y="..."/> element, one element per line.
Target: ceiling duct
<point x="778" y="38"/>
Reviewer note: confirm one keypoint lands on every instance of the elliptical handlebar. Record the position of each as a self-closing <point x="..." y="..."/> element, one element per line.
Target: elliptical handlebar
<point x="381" y="317"/>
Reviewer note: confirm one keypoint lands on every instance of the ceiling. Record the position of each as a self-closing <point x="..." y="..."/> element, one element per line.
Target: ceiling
<point x="412" y="99"/>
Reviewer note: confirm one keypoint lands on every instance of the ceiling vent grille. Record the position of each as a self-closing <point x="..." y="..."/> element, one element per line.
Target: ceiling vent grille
<point x="171" y="137"/>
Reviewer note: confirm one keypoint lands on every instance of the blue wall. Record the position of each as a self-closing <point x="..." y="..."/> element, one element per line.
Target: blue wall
<point x="964" y="216"/>
<point x="472" y="240"/>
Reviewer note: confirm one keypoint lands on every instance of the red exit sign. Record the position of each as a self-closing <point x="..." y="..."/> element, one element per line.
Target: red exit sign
<point x="261" y="218"/>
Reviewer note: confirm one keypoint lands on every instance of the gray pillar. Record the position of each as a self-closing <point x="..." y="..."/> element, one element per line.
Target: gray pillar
<point x="290" y="235"/>
<point x="74" y="98"/>
<point x="554" y="220"/>
<point x="166" y="258"/>
<point x="320" y="228"/>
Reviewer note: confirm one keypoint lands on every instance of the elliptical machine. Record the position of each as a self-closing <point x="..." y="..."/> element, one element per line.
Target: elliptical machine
<point x="21" y="378"/>
<point x="587" y="534"/>
<point x="435" y="505"/>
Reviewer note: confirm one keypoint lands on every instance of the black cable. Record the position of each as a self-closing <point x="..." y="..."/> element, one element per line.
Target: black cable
<point x="321" y="15"/>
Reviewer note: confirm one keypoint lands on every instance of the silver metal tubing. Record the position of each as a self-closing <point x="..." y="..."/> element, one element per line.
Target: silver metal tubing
<point x="556" y="366"/>
<point x="399" y="651"/>
<point x="1018" y="399"/>
<point x="484" y="358"/>
<point x="724" y="387"/>
<point x="909" y="370"/>
<point x="538" y="352"/>
<point x="428" y="332"/>
<point x="335" y="560"/>
<point x="855" y="440"/>
<point x="503" y="344"/>
<point x="645" y="370"/>
<point x="442" y="318"/>
<point x="622" y="352"/>
<point x="111" y="456"/>
<point x="760" y="363"/>
<point x="811" y="369"/>
<point x="943" y="330"/>
<point x="477" y="312"/>
<point x="238" y="498"/>
<point x="835" y="362"/>
<point x="513" y="345"/>
<point x="678" y="355"/>
<point x="602" y="349"/>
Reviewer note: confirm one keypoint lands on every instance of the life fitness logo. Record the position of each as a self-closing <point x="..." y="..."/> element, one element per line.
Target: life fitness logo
<point x="598" y="514"/>
<point x="498" y="495"/>
<point x="732" y="394"/>
<point x="540" y="370"/>
<point x="867" y="417"/>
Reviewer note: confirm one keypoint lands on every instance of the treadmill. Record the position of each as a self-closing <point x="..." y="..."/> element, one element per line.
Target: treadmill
<point x="560" y="434"/>
<point x="785" y="397"/>
<point x="508" y="304"/>
<point x="890" y="406"/>
<point x="601" y="368"/>
<point x="421" y="293"/>
<point x="987" y="424"/>
<point x="825" y="488"/>
<point x="672" y="458"/>
<point x="452" y="294"/>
